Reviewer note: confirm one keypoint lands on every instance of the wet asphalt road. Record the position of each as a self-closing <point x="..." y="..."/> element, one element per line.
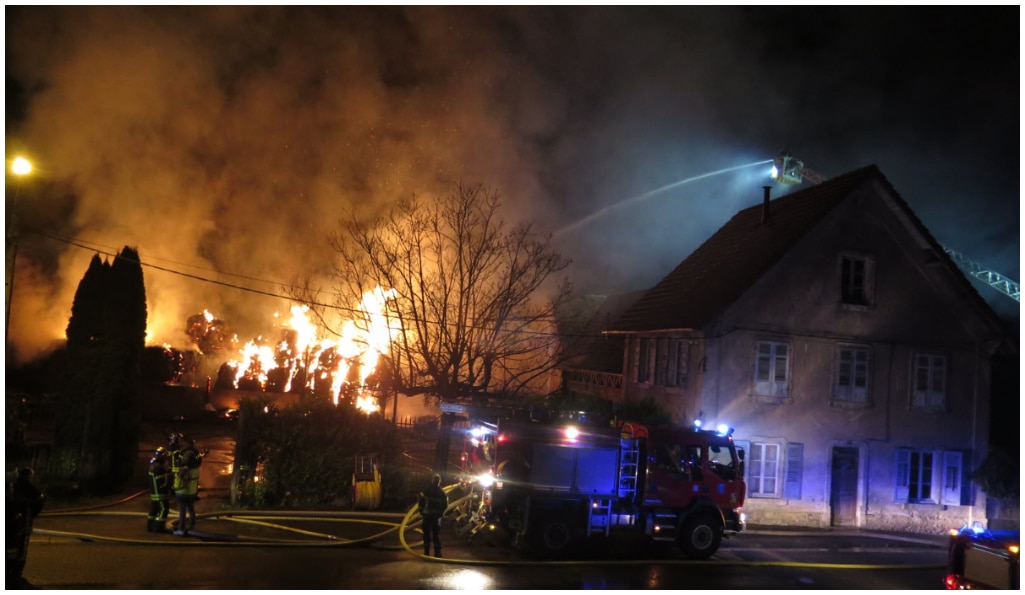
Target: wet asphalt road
<point x="123" y="556"/>
<point x="108" y="548"/>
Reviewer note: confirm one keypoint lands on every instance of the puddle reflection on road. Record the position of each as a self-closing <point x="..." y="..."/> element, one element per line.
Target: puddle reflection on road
<point x="465" y="579"/>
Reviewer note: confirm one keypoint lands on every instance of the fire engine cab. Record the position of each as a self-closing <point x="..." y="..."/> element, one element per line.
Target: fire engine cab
<point x="557" y="483"/>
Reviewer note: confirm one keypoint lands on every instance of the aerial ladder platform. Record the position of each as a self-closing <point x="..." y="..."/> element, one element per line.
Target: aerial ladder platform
<point x="787" y="169"/>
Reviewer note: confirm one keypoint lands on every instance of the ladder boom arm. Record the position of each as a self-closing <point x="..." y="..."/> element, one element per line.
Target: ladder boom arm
<point x="987" y="276"/>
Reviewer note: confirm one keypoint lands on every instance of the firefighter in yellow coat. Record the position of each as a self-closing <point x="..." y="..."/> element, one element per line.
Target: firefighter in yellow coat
<point x="160" y="487"/>
<point x="186" y="488"/>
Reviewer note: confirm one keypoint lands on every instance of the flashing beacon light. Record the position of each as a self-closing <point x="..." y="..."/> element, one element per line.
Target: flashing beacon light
<point x="722" y="429"/>
<point x="571" y="433"/>
<point x="477" y="431"/>
<point x="500" y="438"/>
<point x="697" y="424"/>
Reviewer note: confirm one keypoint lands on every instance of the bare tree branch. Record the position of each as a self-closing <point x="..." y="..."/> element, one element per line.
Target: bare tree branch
<point x="466" y="295"/>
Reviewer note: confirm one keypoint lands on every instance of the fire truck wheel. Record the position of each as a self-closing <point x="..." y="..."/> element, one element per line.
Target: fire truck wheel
<point x="700" y="536"/>
<point x="554" y="536"/>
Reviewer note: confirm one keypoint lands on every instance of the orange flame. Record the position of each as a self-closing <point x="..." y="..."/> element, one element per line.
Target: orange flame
<point x="345" y="363"/>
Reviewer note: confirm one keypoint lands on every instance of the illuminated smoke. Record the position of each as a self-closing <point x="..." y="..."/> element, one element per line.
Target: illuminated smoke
<point x="223" y="142"/>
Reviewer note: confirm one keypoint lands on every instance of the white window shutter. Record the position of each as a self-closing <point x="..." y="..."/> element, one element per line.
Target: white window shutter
<point x="792" y="480"/>
<point x="902" y="474"/>
<point x="952" y="478"/>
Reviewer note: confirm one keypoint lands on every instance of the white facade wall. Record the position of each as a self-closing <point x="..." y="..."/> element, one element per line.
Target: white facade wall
<point x="847" y="460"/>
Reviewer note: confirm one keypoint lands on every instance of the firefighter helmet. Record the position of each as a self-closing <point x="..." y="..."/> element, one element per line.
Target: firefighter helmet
<point x="159" y="455"/>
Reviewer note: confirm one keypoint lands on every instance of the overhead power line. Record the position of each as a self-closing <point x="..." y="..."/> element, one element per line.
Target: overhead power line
<point x="113" y="252"/>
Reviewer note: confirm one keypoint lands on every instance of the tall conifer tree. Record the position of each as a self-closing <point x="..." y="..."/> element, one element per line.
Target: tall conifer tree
<point x="98" y="427"/>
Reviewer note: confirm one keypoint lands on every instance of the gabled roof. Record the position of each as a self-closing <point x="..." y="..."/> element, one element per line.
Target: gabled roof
<point x="719" y="271"/>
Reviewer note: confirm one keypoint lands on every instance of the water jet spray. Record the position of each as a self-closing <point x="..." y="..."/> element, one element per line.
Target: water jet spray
<point x="628" y="201"/>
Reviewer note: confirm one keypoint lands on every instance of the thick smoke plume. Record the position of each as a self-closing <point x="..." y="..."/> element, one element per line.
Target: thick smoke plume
<point x="223" y="143"/>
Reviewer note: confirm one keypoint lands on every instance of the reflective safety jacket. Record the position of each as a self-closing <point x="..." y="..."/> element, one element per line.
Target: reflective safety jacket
<point x="174" y="455"/>
<point x="186" y="481"/>
<point x="159" y="482"/>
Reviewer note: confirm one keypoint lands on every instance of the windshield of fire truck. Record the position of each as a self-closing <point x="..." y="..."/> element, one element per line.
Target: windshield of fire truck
<point x="722" y="459"/>
<point x="719" y="455"/>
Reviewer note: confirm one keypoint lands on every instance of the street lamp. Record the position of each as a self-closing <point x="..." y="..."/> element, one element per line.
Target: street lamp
<point x="20" y="167"/>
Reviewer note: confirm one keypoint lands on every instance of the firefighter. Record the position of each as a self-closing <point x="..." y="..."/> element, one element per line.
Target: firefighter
<point x="174" y="448"/>
<point x="160" y="487"/>
<point x="432" y="505"/>
<point x="24" y="503"/>
<point x="186" y="487"/>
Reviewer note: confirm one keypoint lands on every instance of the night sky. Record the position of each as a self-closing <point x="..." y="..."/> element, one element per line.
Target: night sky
<point x="224" y="142"/>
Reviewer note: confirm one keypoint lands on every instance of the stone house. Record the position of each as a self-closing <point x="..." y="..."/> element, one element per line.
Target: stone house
<point x="847" y="350"/>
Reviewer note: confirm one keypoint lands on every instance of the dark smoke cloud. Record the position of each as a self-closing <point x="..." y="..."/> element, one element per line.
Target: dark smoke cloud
<point x="224" y="142"/>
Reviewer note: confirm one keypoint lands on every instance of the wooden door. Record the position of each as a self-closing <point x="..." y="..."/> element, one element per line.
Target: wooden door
<point x="843" y="491"/>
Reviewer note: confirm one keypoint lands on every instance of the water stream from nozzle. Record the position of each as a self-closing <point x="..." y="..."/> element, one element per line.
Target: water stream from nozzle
<point x="623" y="203"/>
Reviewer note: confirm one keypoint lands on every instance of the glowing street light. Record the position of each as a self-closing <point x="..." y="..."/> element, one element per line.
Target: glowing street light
<point x="20" y="167"/>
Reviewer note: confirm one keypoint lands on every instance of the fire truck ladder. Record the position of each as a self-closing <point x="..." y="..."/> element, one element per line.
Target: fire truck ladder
<point x="986" y="275"/>
<point x="599" y="518"/>
<point x="629" y="461"/>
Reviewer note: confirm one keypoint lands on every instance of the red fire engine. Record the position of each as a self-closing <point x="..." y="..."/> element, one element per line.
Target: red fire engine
<point x="558" y="483"/>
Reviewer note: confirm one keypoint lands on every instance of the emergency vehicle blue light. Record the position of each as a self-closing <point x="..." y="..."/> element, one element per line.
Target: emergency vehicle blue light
<point x="697" y="423"/>
<point x="571" y="433"/>
<point x="722" y="429"/>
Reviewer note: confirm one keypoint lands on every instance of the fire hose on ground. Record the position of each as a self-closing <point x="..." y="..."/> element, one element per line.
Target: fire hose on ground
<point x="407" y="522"/>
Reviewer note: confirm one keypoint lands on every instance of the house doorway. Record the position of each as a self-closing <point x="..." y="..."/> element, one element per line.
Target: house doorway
<point x="843" y="489"/>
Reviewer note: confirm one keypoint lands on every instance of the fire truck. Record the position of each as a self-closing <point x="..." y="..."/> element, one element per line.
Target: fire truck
<point x="557" y="483"/>
<point x="979" y="558"/>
